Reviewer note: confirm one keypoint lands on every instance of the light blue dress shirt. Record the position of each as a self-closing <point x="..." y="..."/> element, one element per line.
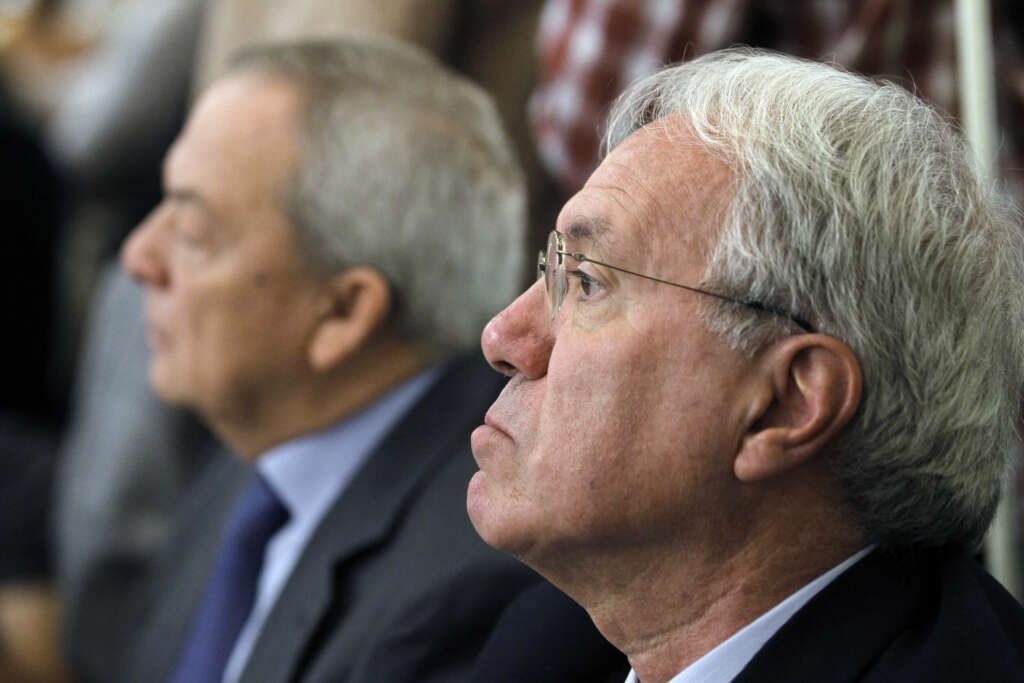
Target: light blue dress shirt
<point x="309" y="473"/>
<point x="725" y="662"/>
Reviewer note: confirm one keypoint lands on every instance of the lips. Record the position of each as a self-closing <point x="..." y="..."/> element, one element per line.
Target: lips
<point x="491" y="421"/>
<point x="506" y="413"/>
<point x="489" y="439"/>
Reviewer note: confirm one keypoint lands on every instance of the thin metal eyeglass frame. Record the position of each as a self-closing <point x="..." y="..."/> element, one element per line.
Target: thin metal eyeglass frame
<point x="557" y="288"/>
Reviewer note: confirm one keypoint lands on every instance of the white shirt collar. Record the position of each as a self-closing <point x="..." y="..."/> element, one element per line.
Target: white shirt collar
<point x="724" y="662"/>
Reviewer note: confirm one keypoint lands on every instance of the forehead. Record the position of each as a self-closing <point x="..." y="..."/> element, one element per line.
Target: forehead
<point x="658" y="196"/>
<point x="239" y="143"/>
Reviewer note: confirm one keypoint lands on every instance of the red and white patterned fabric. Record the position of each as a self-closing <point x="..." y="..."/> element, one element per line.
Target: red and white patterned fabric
<point x="589" y="50"/>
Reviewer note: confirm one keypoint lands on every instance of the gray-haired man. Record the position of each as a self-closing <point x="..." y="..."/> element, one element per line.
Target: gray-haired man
<point x="315" y="267"/>
<point x="763" y="394"/>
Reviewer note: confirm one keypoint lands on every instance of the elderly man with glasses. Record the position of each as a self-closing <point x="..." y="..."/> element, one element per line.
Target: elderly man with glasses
<point x="762" y="397"/>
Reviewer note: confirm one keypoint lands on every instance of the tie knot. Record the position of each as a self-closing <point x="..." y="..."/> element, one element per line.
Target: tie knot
<point x="258" y="516"/>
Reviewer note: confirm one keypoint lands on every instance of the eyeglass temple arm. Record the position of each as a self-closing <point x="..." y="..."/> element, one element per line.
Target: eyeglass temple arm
<point x="756" y="305"/>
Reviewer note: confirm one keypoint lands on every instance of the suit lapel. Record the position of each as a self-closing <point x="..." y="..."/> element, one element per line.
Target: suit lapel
<point x="844" y="628"/>
<point x="368" y="509"/>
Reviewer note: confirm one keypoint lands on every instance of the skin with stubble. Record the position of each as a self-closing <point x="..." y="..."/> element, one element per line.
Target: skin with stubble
<point x="636" y="460"/>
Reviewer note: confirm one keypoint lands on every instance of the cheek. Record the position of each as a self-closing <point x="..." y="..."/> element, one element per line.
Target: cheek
<point x="597" y="396"/>
<point x="239" y="313"/>
<point x="225" y="330"/>
<point x="201" y="356"/>
<point x="589" y="420"/>
<point x="626" y="432"/>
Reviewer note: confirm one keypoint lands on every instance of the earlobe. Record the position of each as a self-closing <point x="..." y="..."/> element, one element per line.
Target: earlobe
<point x="814" y="383"/>
<point x="357" y="303"/>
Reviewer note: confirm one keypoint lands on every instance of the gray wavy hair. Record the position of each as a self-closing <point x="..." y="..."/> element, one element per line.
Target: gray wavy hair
<point x="405" y="167"/>
<point x="858" y="207"/>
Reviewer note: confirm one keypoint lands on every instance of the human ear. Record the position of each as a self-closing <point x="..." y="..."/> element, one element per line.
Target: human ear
<point x="357" y="301"/>
<point x="812" y="388"/>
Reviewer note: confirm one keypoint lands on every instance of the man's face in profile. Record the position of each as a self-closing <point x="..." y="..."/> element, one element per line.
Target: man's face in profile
<point x="618" y="423"/>
<point x="229" y="303"/>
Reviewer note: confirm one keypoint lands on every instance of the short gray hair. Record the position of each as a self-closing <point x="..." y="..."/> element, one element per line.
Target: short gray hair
<point x="405" y="167"/>
<point x="858" y="207"/>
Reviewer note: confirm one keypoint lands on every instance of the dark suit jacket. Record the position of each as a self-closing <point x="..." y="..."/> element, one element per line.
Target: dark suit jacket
<point x="545" y="637"/>
<point x="931" y="616"/>
<point x="394" y="584"/>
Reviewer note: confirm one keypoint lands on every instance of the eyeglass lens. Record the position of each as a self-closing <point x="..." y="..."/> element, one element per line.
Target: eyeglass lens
<point x="554" y="274"/>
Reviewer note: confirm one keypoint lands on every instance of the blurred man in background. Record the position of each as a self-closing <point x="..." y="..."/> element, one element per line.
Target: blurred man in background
<point x="311" y="275"/>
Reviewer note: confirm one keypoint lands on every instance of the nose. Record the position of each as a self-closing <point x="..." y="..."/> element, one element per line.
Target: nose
<point x="520" y="338"/>
<point x="142" y="253"/>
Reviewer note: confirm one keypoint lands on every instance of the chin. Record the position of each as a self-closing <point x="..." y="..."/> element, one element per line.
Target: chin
<point x="498" y="525"/>
<point x="477" y="504"/>
<point x="163" y="384"/>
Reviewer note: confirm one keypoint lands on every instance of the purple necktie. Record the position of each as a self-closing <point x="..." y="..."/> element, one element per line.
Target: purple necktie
<point x="229" y="595"/>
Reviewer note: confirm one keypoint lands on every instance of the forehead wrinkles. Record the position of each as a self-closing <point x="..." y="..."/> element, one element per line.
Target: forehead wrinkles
<point x="624" y="183"/>
<point x="616" y="213"/>
<point x="633" y="197"/>
<point x="680" y="170"/>
<point x="671" y="189"/>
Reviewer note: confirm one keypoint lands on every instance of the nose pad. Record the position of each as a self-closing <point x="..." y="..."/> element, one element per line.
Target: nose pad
<point x="520" y="338"/>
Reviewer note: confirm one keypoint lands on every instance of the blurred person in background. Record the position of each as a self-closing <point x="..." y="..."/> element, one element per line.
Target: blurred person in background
<point x="127" y="458"/>
<point x="311" y="276"/>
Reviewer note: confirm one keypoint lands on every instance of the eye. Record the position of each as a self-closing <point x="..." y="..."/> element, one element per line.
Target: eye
<point x="192" y="231"/>
<point x="189" y="239"/>
<point x="589" y="286"/>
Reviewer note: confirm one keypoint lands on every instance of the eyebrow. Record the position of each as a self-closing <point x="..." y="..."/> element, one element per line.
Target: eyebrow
<point x="189" y="196"/>
<point x="587" y="228"/>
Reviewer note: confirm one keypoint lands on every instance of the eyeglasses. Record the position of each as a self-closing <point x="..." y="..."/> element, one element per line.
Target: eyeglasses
<point x="557" y="284"/>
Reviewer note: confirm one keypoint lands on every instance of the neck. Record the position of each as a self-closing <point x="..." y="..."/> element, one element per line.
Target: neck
<point x="666" y="607"/>
<point x="321" y="398"/>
